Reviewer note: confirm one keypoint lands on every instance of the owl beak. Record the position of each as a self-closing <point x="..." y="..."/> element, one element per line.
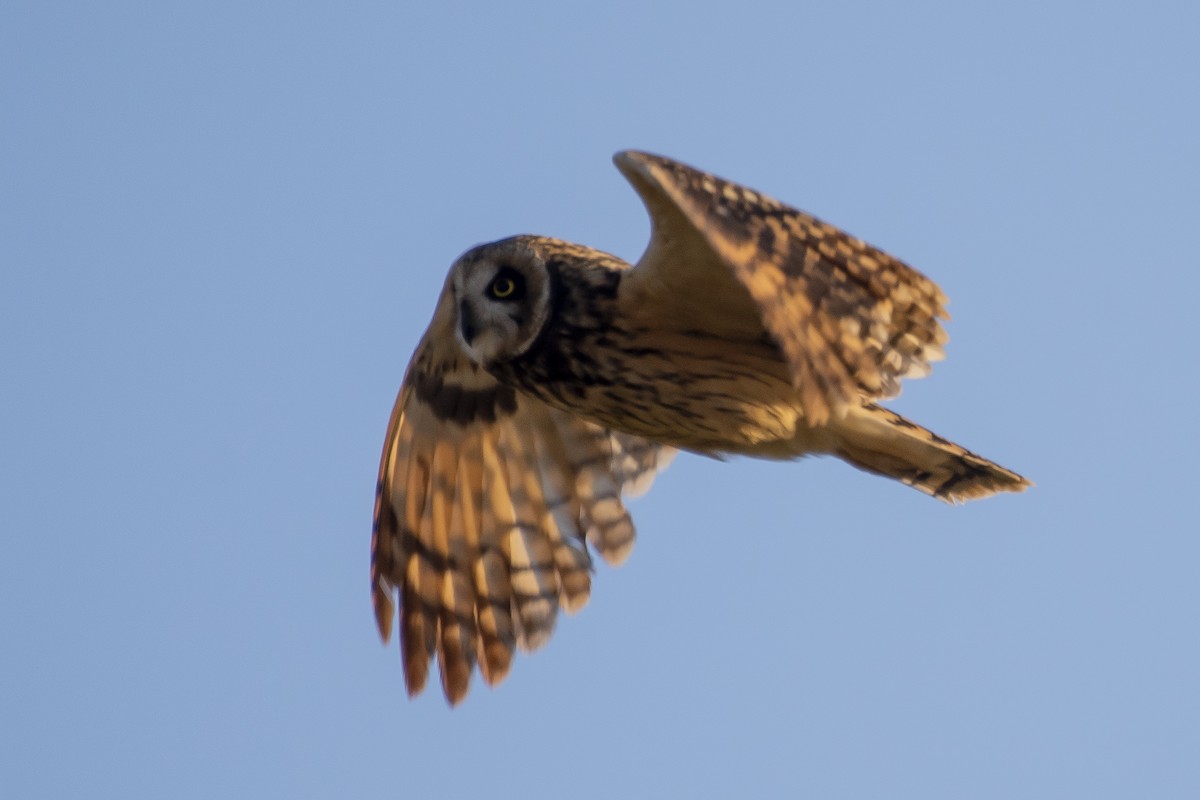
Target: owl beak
<point x="467" y="324"/>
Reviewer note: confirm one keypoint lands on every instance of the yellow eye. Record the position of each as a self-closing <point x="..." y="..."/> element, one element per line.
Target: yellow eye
<point x="503" y="287"/>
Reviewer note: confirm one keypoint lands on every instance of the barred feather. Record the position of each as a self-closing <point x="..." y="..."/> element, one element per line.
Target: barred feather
<point x="481" y="523"/>
<point x="881" y="441"/>
<point x="850" y="319"/>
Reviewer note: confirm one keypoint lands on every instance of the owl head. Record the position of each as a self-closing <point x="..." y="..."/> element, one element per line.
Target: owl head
<point x="501" y="297"/>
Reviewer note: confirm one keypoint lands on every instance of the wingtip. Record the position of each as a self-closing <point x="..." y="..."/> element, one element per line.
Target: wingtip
<point x="384" y="612"/>
<point x="627" y="156"/>
<point x="455" y="683"/>
<point x="647" y="175"/>
<point x="631" y="162"/>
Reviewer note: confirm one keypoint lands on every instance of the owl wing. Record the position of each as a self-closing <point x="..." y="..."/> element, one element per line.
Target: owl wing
<point x="484" y="503"/>
<point x="849" y="319"/>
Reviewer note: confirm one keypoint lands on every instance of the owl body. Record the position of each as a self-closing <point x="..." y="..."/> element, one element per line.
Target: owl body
<point x="688" y="389"/>
<point x="555" y="378"/>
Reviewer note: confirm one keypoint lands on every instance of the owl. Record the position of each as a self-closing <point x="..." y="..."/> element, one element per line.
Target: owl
<point x="555" y="379"/>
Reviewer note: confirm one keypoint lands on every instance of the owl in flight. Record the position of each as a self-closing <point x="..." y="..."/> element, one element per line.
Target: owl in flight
<point x="554" y="378"/>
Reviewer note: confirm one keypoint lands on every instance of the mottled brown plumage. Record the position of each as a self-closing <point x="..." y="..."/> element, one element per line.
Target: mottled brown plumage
<point x="554" y="377"/>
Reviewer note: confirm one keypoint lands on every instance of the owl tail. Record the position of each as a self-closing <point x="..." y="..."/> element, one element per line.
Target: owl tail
<point x="877" y="440"/>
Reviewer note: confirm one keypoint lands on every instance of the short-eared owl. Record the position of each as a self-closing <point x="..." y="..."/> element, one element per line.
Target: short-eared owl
<point x="553" y="378"/>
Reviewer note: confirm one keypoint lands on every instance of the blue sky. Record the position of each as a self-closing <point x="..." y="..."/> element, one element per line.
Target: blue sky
<point x="223" y="227"/>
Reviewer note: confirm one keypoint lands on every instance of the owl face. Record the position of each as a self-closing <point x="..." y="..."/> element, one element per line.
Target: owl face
<point x="502" y="295"/>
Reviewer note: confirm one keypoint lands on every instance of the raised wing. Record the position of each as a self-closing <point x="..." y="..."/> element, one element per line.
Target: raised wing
<point x="849" y="319"/>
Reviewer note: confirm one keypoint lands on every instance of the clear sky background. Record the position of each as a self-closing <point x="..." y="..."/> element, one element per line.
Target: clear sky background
<point x="223" y="227"/>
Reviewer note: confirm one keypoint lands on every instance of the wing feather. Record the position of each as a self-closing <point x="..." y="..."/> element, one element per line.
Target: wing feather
<point x="493" y="588"/>
<point x="529" y="553"/>
<point x="561" y="514"/>
<point x="485" y="500"/>
<point x="456" y="616"/>
<point x="849" y="319"/>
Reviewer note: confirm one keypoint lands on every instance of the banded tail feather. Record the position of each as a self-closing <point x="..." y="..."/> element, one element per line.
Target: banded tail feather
<point x="882" y="442"/>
